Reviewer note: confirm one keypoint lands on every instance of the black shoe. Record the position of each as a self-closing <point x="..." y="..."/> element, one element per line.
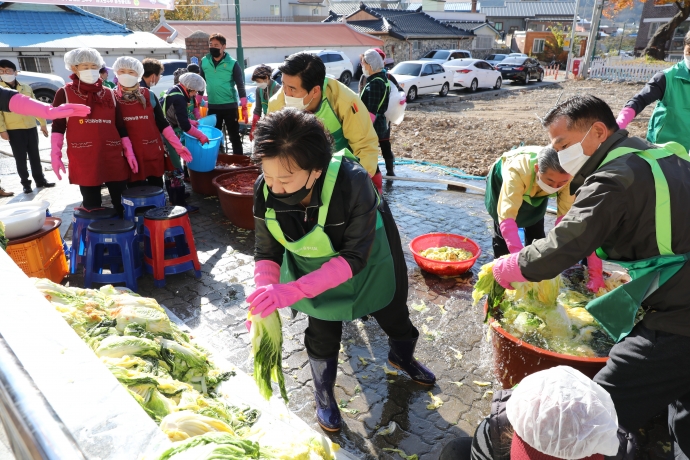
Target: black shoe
<point x="28" y="189"/>
<point x="390" y="168"/>
<point x="323" y="372"/>
<point x="46" y="184"/>
<point x="401" y="356"/>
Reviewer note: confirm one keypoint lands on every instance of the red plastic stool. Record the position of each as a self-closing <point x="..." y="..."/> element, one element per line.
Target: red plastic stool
<point x="169" y="243"/>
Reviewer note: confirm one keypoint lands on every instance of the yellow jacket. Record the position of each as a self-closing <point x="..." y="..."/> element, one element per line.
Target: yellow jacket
<point x="517" y="178"/>
<point x="10" y="121"/>
<point x="354" y="117"/>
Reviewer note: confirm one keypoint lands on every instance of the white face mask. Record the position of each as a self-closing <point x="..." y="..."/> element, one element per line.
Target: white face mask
<point x="297" y="102"/>
<point x="573" y="157"/>
<point x="127" y="81"/>
<point x="262" y="85"/>
<point x="8" y="78"/>
<point x="365" y="71"/>
<point x="687" y="61"/>
<point x="89" y="76"/>
<point x="546" y="188"/>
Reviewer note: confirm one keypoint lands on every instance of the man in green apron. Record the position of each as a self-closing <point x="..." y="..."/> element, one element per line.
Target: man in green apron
<point x="631" y="207"/>
<point x="327" y="247"/>
<point x="342" y="112"/>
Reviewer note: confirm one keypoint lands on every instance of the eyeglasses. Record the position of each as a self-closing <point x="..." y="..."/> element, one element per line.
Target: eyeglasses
<point x="7" y="72"/>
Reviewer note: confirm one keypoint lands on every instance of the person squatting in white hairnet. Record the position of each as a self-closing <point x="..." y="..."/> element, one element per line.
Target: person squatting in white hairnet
<point x="145" y="122"/>
<point x="558" y="413"/>
<point x="98" y="145"/>
<point x="175" y="103"/>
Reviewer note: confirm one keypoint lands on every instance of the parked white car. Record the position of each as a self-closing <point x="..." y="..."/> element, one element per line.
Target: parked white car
<point x="167" y="80"/>
<point x="473" y="74"/>
<point x="44" y="85"/>
<point x="337" y="63"/>
<point x="443" y="56"/>
<point x="422" y="77"/>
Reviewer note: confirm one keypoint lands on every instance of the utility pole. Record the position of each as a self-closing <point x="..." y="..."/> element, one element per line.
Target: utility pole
<point x="571" y="55"/>
<point x="593" y="34"/>
<point x="620" y="45"/>
<point x="240" y="50"/>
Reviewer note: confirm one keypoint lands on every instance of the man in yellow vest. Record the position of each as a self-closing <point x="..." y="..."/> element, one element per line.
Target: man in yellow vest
<point x="342" y="112"/>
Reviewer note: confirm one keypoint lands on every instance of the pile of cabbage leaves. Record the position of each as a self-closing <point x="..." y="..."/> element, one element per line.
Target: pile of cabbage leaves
<point x="550" y="314"/>
<point x="171" y="377"/>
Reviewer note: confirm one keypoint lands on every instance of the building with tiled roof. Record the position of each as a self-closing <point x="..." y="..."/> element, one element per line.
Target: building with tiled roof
<point x="36" y="37"/>
<point x="529" y="15"/>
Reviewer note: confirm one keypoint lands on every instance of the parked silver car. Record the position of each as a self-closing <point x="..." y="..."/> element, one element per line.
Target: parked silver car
<point x="44" y="85"/>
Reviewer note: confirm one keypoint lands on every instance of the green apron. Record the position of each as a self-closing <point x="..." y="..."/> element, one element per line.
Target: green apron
<point x="669" y="121"/>
<point x="367" y="292"/>
<point x="617" y="310"/>
<point x="331" y="122"/>
<point x="264" y="101"/>
<point x="532" y="210"/>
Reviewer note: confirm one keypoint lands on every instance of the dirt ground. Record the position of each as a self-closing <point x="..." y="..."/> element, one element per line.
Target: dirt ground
<point x="470" y="135"/>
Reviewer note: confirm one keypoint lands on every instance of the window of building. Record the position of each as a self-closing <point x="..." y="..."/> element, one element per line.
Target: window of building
<point x="538" y="45"/>
<point x="416" y="45"/>
<point x="498" y="26"/>
<point x="275" y="10"/>
<point x="653" y="26"/>
<point x="315" y="12"/>
<point x="35" y="64"/>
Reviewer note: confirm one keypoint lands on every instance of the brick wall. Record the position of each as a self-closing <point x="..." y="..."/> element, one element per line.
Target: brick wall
<point x="651" y="11"/>
<point x="197" y="45"/>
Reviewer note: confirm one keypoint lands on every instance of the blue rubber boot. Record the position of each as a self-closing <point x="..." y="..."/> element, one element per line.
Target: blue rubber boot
<point x="323" y="372"/>
<point x="401" y="356"/>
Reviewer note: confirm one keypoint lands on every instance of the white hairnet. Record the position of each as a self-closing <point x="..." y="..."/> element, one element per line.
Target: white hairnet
<point x="562" y="413"/>
<point x="373" y="58"/>
<point x="83" y="56"/>
<point x="130" y="63"/>
<point x="193" y="81"/>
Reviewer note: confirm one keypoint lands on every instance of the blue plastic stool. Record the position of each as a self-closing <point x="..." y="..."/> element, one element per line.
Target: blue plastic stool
<point x="80" y="220"/>
<point x="138" y="200"/>
<point x="112" y="244"/>
<point x="169" y="244"/>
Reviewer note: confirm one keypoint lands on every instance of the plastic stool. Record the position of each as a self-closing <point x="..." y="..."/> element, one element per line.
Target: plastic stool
<point x="169" y="243"/>
<point x="138" y="200"/>
<point x="117" y="238"/>
<point x="80" y="220"/>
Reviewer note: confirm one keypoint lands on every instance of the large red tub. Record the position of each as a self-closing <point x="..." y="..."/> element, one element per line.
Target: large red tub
<point x="202" y="182"/>
<point x="515" y="359"/>
<point x="236" y="195"/>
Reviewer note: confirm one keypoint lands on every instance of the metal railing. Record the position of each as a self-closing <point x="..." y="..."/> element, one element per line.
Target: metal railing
<point x="34" y="429"/>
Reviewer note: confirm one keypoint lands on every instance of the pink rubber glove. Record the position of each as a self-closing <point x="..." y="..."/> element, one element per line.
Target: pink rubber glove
<point x="266" y="272"/>
<point x="267" y="299"/>
<point x="24" y="105"/>
<point x="507" y="270"/>
<point x="193" y="131"/>
<point x="56" y="141"/>
<point x="197" y="113"/>
<point x="194" y="122"/>
<point x="169" y="135"/>
<point x="596" y="276"/>
<point x="255" y="120"/>
<point x="625" y="117"/>
<point x="372" y="116"/>
<point x="509" y="230"/>
<point x="129" y="154"/>
<point x="559" y="219"/>
<point x="245" y="115"/>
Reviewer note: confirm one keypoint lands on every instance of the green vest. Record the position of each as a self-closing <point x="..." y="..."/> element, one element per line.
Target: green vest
<point x="331" y="122"/>
<point x="264" y="100"/>
<point x="533" y="209"/>
<point x="220" y="83"/>
<point x="367" y="292"/>
<point x="669" y="121"/>
<point x="616" y="310"/>
<point x="172" y="153"/>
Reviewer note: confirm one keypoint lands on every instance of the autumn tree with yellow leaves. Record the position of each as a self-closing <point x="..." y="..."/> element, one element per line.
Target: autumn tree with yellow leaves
<point x="189" y="10"/>
<point x="656" y="48"/>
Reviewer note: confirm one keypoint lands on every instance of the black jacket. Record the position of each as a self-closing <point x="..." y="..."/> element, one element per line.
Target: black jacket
<point x="5" y="96"/>
<point x="176" y="108"/>
<point x="614" y="209"/>
<point x="653" y="91"/>
<point x="350" y="225"/>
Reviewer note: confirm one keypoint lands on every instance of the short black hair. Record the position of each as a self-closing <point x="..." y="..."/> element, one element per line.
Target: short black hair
<point x="194" y="68"/>
<point x="295" y="137"/>
<point x="7" y="64"/>
<point x="152" y="67"/>
<point x="103" y="70"/>
<point x="262" y="71"/>
<point x="309" y="67"/>
<point x="219" y="38"/>
<point x="582" y="112"/>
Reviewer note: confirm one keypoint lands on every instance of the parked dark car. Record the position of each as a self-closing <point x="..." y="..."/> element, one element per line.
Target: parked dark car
<point x="521" y="69"/>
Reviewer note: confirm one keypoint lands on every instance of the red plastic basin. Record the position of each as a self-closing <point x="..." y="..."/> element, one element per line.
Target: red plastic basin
<point x="237" y="206"/>
<point x="437" y="240"/>
<point x="202" y="181"/>
<point x="515" y="359"/>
